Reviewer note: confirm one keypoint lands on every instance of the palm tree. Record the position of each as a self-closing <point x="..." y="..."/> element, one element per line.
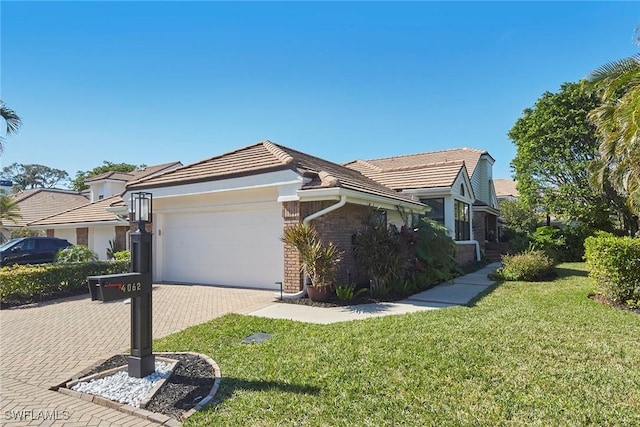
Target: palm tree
<point x="617" y="123"/>
<point x="12" y="120"/>
<point x="9" y="211"/>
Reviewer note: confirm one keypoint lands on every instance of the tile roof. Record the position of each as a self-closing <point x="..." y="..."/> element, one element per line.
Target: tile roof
<point x="267" y="156"/>
<point x="133" y="175"/>
<point x="470" y="156"/>
<point x="411" y="177"/>
<point x="42" y="202"/>
<point x="90" y="212"/>
<point x="505" y="187"/>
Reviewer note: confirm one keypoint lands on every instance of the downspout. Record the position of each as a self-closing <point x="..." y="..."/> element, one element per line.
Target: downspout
<point x="306" y="220"/>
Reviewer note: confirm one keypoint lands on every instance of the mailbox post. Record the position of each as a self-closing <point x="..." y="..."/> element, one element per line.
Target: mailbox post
<point x="135" y="285"/>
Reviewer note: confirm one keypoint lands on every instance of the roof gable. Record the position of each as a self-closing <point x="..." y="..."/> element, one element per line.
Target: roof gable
<point x="470" y="156"/>
<point x="267" y="156"/>
<point x="89" y="212"/>
<point x="405" y="177"/>
<point x="42" y="202"/>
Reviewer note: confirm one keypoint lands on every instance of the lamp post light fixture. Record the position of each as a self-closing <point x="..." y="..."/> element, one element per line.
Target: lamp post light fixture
<point x="141" y="361"/>
<point x="140" y="207"/>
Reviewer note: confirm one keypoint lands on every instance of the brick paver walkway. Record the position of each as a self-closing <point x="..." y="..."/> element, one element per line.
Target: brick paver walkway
<point x="43" y="345"/>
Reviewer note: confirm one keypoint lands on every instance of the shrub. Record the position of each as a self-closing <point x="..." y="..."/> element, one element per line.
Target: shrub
<point x="28" y="282"/>
<point x="614" y="267"/>
<point x="76" y="254"/>
<point x="383" y="253"/>
<point x="563" y="245"/>
<point x="122" y="255"/>
<point x="348" y="292"/>
<point x="435" y="250"/>
<point x="529" y="266"/>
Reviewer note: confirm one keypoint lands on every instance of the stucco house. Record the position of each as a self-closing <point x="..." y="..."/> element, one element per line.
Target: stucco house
<point x="457" y="184"/>
<point x="40" y="202"/>
<point x="219" y="221"/>
<point x="97" y="221"/>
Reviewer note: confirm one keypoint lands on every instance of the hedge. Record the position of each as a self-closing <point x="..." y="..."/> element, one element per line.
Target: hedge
<point x="614" y="267"/>
<point x="28" y="282"/>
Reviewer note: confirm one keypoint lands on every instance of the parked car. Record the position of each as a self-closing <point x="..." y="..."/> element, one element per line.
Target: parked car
<point x="31" y="250"/>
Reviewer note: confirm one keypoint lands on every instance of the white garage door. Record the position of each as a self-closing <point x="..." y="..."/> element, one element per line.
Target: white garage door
<point x="236" y="248"/>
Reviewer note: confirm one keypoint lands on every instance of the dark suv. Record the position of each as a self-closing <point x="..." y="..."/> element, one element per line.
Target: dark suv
<point x="31" y="250"/>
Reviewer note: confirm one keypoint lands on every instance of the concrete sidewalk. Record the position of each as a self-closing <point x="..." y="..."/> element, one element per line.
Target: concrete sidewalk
<point x="463" y="290"/>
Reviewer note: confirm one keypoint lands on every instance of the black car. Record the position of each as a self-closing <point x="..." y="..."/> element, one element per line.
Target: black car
<point x="31" y="250"/>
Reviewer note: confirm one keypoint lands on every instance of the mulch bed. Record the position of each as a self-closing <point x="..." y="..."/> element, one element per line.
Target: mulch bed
<point x="190" y="382"/>
<point x="602" y="300"/>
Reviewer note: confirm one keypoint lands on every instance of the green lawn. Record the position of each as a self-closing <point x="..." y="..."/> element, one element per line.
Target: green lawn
<point x="527" y="354"/>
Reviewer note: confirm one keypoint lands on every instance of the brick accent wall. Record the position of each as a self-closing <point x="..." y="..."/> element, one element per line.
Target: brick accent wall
<point x="479" y="227"/>
<point x="121" y="237"/>
<point x="82" y="236"/>
<point x="465" y="253"/>
<point x="292" y="274"/>
<point x="50" y="232"/>
<point x="337" y="227"/>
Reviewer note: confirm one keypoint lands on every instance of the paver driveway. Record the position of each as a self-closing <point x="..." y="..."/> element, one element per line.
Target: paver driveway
<point x="44" y="345"/>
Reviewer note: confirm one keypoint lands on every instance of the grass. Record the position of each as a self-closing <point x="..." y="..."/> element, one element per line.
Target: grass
<point x="528" y="354"/>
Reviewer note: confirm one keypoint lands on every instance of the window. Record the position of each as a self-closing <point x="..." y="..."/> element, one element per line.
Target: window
<point x="462" y="190"/>
<point x="463" y="226"/>
<point x="437" y="209"/>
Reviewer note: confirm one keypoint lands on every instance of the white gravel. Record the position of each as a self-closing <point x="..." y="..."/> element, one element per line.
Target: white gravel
<point x="123" y="388"/>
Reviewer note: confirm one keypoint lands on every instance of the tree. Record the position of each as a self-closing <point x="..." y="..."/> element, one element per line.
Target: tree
<point x="617" y="122"/>
<point x="519" y="217"/>
<point x="78" y="182"/>
<point x="555" y="143"/>
<point x="33" y="176"/>
<point x="9" y="211"/>
<point x="13" y="122"/>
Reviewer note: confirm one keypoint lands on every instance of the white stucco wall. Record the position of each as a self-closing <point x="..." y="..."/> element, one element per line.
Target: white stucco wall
<point x="99" y="240"/>
<point x="66" y="233"/>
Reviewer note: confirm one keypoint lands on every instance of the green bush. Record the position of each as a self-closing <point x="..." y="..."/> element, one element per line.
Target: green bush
<point x="29" y="282"/>
<point x="529" y="266"/>
<point x="562" y="245"/>
<point x="122" y="255"/>
<point x="349" y="292"/>
<point x="614" y="267"/>
<point x="76" y="253"/>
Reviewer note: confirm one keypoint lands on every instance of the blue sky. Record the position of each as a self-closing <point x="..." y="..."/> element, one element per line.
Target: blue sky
<point x="153" y="82"/>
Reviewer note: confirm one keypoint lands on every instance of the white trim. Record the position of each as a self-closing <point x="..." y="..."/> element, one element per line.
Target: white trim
<point x="357" y="197"/>
<point x="268" y="179"/>
<point x="79" y="224"/>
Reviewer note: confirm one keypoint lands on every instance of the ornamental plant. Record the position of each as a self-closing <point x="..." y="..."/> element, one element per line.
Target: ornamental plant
<point x="531" y="265"/>
<point x="319" y="260"/>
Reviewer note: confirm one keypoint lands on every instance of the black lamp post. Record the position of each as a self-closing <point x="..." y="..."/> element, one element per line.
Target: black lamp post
<point x="141" y="360"/>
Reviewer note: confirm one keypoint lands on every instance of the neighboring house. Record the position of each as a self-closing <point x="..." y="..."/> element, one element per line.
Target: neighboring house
<point x="94" y="223"/>
<point x="220" y="220"/>
<point x="89" y="225"/>
<point x="40" y="202"/>
<point x="505" y="189"/>
<point x="457" y="184"/>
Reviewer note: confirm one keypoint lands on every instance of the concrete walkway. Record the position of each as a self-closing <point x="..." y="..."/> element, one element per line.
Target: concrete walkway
<point x="463" y="290"/>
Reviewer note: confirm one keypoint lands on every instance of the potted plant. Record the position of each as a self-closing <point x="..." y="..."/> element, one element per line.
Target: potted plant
<point x="318" y="260"/>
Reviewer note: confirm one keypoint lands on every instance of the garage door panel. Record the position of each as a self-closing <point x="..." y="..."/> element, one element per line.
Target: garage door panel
<point x="239" y="248"/>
